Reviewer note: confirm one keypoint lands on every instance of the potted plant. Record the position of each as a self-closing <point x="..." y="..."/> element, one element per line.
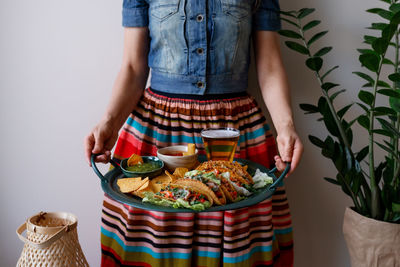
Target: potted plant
<point x="372" y="227"/>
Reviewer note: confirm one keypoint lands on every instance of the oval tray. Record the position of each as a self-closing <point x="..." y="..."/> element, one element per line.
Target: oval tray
<point x="110" y="187"/>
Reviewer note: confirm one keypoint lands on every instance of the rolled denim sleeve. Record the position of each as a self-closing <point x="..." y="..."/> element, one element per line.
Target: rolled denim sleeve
<point x="135" y="13"/>
<point x="267" y="17"/>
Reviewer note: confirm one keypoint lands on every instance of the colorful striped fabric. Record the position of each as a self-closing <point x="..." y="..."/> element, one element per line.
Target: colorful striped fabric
<point x="260" y="235"/>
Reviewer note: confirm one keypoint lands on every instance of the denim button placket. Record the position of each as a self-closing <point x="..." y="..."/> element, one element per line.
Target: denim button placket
<point x="200" y="84"/>
<point x="200" y="51"/>
<point x="199" y="18"/>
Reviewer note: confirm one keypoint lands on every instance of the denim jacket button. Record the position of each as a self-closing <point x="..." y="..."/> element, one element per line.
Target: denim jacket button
<point x="200" y="50"/>
<point x="199" y="18"/>
<point x="200" y="84"/>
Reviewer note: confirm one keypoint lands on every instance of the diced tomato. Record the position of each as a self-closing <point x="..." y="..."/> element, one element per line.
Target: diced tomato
<point x="168" y="194"/>
<point x="202" y="200"/>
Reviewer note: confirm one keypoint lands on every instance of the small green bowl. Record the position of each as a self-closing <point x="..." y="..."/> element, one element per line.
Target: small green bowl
<point x="149" y="174"/>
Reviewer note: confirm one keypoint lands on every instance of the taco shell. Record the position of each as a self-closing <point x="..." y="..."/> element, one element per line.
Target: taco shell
<point x="201" y="186"/>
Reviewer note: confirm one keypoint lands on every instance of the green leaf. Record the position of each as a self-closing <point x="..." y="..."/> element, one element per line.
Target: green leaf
<point x="381" y="111"/>
<point x="395" y="8"/>
<point x="290" y="34"/>
<point x="369" y="39"/>
<point x="378" y="171"/>
<point x="334" y="95"/>
<point x="382" y="132"/>
<point x="389" y="92"/>
<point x="328" y="72"/>
<point x="378" y="26"/>
<point x="380" y="45"/>
<point x="328" y="117"/>
<point x="297" y="47"/>
<point x="316" y="141"/>
<point x="375" y="10"/>
<point x="305" y="12"/>
<point x="316" y="37"/>
<point x="343" y="110"/>
<point x="328" y="85"/>
<point x="387" y="149"/>
<point x="329" y="147"/>
<point x="370" y="61"/>
<point x="394" y="77"/>
<point x="290" y="22"/>
<point x="364" y="76"/>
<point x="386" y="14"/>
<point x="388" y="32"/>
<point x="314" y="63"/>
<point x="396" y="207"/>
<point x="388" y="126"/>
<point x="311" y="25"/>
<point x="367" y="51"/>
<point x="365" y="108"/>
<point x="387" y="62"/>
<point x="332" y="181"/>
<point x="288" y="13"/>
<point x="395" y="20"/>
<point x="362" y="153"/>
<point x="366" y="97"/>
<point x="323" y="51"/>
<point x="380" y="84"/>
<point x="363" y="121"/>
<point x="383" y="84"/>
<point x="309" y="108"/>
<point x="395" y="103"/>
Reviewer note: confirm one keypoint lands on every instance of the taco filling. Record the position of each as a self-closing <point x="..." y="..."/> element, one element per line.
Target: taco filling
<point x="179" y="197"/>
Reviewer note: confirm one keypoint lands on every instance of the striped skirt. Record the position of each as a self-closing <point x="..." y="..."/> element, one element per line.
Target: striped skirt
<point x="260" y="235"/>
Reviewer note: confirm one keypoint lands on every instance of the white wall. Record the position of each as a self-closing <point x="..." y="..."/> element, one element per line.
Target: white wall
<point x="58" y="60"/>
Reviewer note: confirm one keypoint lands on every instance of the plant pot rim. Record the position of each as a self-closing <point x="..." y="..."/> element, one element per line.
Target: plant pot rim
<point x="365" y="218"/>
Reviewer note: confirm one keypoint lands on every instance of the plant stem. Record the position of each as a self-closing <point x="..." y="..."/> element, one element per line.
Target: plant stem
<point x="395" y="141"/>
<point x="375" y="200"/>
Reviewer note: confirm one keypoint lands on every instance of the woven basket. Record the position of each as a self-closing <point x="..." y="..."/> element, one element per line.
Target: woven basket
<point x="52" y="240"/>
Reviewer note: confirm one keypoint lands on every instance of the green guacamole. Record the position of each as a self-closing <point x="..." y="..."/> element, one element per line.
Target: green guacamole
<point x="143" y="167"/>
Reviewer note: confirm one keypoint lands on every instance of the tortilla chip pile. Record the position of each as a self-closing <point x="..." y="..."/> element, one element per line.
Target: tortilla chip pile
<point x="138" y="186"/>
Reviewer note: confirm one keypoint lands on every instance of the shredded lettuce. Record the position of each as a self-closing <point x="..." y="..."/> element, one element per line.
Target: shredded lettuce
<point x="239" y="189"/>
<point x="192" y="173"/>
<point x="149" y="197"/>
<point x="179" y="203"/>
<point x="261" y="179"/>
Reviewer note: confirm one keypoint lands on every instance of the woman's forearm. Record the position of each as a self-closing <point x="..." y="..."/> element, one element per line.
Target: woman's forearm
<point x="272" y="79"/>
<point x="131" y="79"/>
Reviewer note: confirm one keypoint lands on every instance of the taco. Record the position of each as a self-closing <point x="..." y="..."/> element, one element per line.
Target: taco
<point x="238" y="172"/>
<point x="229" y="191"/>
<point x="208" y="182"/>
<point x="180" y="196"/>
<point x="234" y="174"/>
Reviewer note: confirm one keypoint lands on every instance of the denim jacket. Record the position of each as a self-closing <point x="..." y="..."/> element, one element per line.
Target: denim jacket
<point x="200" y="46"/>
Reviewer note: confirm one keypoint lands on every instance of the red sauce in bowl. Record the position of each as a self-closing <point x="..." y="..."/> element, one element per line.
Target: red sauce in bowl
<point x="174" y="153"/>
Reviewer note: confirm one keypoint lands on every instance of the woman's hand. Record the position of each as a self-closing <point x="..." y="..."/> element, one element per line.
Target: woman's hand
<point x="100" y="141"/>
<point x="290" y="149"/>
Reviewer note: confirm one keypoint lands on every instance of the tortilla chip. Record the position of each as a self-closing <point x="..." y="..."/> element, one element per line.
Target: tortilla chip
<point x="134" y="159"/>
<point x="162" y="179"/>
<point x="144" y="185"/>
<point x="173" y="177"/>
<point x="191" y="149"/>
<point x="180" y="172"/>
<point x="128" y="185"/>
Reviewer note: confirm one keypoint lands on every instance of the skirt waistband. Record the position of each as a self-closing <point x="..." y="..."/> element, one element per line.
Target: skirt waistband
<point x="198" y="97"/>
